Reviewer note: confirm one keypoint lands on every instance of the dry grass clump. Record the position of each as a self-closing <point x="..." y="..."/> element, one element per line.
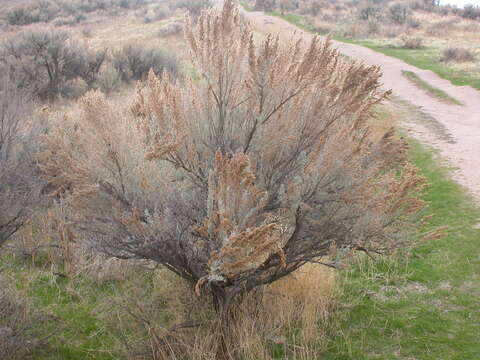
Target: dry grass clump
<point x="378" y="19"/>
<point x="457" y="54"/>
<point x="161" y="320"/>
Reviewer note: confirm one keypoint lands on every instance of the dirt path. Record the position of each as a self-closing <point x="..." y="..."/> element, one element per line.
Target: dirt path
<point x="453" y="130"/>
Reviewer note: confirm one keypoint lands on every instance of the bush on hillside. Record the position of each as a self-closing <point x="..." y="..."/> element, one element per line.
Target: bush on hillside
<point x="265" y="5"/>
<point x="398" y="13"/>
<point x="470" y="12"/>
<point x="44" y="61"/>
<point x="410" y="42"/>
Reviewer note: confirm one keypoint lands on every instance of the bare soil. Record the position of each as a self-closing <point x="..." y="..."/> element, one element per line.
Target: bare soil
<point x="452" y="129"/>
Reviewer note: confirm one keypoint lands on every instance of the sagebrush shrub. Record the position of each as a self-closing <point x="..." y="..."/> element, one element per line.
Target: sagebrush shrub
<point x="457" y="54"/>
<point x="233" y="180"/>
<point x="398" y="13"/>
<point x="19" y="181"/>
<point x="43" y="61"/>
<point x="409" y="42"/>
<point x="135" y="61"/>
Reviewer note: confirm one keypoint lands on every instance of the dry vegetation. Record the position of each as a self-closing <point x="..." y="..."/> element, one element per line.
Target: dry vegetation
<point x="216" y="186"/>
<point x="435" y="31"/>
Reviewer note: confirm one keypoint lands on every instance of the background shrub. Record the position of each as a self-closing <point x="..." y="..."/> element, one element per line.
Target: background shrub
<point x="49" y="62"/>
<point x="470" y="12"/>
<point x="170" y="29"/>
<point x="109" y="79"/>
<point x="135" y="61"/>
<point x="409" y="42"/>
<point x="265" y="5"/>
<point x="193" y="7"/>
<point x="398" y="13"/>
<point x="43" y="61"/>
<point x="457" y="54"/>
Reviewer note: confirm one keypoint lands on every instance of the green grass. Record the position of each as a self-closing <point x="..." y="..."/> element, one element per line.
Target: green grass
<point x="425" y="305"/>
<point x="71" y="304"/>
<point x="430" y="89"/>
<point x="427" y="58"/>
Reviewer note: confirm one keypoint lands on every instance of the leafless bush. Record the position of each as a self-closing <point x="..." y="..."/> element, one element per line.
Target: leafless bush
<point x="243" y="176"/>
<point x="135" y="61"/>
<point x="16" y="320"/>
<point x="19" y="182"/>
<point x="409" y="42"/>
<point x="457" y="54"/>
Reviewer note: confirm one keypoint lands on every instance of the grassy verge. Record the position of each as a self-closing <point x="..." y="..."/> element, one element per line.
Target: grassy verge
<point x="430" y="89"/>
<point x="426" y="58"/>
<point x="424" y="306"/>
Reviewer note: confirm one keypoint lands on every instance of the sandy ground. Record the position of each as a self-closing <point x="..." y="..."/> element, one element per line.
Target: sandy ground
<point x="452" y="129"/>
